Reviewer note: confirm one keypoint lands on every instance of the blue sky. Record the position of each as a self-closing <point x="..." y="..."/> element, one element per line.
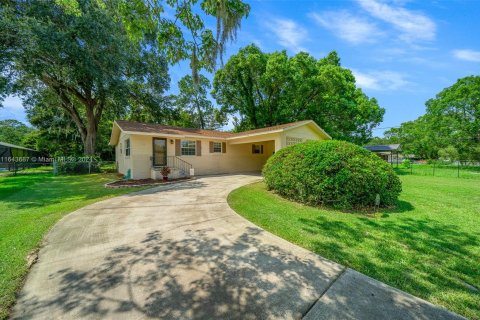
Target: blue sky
<point x="401" y="52"/>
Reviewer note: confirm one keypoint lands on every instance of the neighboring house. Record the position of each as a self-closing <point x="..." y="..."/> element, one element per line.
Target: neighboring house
<point x="391" y="153"/>
<point x="142" y="149"/>
<point x="11" y="155"/>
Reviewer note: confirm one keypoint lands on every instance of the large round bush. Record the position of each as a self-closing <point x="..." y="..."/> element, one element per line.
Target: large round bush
<point x="332" y="173"/>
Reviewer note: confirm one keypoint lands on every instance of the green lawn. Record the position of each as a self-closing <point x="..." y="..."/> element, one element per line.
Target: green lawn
<point x="30" y="204"/>
<point x="428" y="246"/>
<point x="441" y="170"/>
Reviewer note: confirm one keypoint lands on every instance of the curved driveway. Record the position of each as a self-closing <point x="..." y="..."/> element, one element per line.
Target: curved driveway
<point x="179" y="252"/>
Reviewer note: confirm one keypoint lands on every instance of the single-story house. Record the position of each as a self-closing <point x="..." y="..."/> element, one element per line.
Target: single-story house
<point x="391" y="153"/>
<point x="142" y="149"/>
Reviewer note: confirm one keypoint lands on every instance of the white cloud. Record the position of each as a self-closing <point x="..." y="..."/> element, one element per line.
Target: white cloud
<point x="412" y="25"/>
<point x="468" y="55"/>
<point x="348" y="27"/>
<point x="12" y="109"/>
<point x="381" y="80"/>
<point x="289" y="34"/>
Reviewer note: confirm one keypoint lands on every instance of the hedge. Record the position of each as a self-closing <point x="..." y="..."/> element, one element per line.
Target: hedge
<point x="332" y="173"/>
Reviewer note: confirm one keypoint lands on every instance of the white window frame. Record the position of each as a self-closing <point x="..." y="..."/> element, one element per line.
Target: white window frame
<point x="187" y="145"/>
<point x="128" y="147"/>
<point x="217" y="147"/>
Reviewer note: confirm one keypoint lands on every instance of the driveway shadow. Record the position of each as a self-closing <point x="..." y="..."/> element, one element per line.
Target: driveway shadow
<point x="198" y="276"/>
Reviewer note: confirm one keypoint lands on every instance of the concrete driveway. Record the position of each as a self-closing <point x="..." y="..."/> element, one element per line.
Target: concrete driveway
<point x="179" y="252"/>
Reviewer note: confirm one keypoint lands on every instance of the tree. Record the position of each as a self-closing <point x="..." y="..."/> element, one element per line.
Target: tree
<point x="416" y="138"/>
<point x="106" y="56"/>
<point x="448" y="154"/>
<point x="271" y="88"/>
<point x="383" y="140"/>
<point x="194" y="107"/>
<point x="454" y="115"/>
<point x="13" y="131"/>
<point x="450" y="127"/>
<point x="83" y="64"/>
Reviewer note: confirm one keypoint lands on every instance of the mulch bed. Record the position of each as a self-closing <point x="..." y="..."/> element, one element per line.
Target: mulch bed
<point x="142" y="182"/>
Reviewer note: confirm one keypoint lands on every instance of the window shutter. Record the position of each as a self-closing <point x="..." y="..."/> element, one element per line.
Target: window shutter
<point x="224" y="147"/>
<point x="253" y="148"/>
<point x="199" y="147"/>
<point x="211" y="146"/>
<point x="261" y="148"/>
<point x="177" y="147"/>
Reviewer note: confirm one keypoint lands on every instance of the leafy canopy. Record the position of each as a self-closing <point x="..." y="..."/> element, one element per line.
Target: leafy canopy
<point x="92" y="58"/>
<point x="13" y="131"/>
<point x="450" y="128"/>
<point x="195" y="108"/>
<point x="271" y="88"/>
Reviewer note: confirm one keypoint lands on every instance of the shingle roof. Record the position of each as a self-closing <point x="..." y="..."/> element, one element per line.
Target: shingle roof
<point x="384" y="147"/>
<point x="163" y="129"/>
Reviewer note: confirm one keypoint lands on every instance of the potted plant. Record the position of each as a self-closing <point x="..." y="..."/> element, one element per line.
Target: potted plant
<point x="165" y="172"/>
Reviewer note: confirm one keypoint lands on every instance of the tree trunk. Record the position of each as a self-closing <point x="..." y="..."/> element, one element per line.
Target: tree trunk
<point x="91" y="136"/>
<point x="200" y="113"/>
<point x="90" y="142"/>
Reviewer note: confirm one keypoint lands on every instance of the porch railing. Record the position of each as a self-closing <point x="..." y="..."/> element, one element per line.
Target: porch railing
<point x="177" y="163"/>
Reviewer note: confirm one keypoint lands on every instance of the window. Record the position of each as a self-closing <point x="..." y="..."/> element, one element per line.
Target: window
<point x="121" y="148"/>
<point x="257" y="148"/>
<point x="188" y="148"/>
<point x="127" y="147"/>
<point x="217" y="147"/>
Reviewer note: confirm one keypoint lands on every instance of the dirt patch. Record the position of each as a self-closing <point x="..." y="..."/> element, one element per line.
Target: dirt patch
<point x="32" y="258"/>
<point x="142" y="182"/>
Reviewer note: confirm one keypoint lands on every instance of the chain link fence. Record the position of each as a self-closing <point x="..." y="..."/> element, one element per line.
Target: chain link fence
<point x="58" y="166"/>
<point x="436" y="168"/>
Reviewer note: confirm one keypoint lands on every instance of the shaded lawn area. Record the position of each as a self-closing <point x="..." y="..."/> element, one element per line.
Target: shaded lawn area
<point x="30" y="204"/>
<point x="429" y="246"/>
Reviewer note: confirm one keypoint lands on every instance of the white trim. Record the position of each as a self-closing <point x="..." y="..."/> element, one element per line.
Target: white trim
<point x="213" y="148"/>
<point x="255" y="134"/>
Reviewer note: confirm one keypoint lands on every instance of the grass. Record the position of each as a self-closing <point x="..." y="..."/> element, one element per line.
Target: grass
<point x="441" y="170"/>
<point x="429" y="246"/>
<point x="30" y="204"/>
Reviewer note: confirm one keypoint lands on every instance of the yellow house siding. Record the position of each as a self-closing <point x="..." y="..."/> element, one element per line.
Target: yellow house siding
<point x="237" y="158"/>
<point x="304" y="133"/>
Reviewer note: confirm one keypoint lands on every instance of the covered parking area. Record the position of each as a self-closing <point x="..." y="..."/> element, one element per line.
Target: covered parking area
<point x="13" y="157"/>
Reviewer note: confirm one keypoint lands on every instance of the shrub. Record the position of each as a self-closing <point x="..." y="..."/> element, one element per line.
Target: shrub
<point x="332" y="173"/>
<point x="77" y="167"/>
<point x="406" y="163"/>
